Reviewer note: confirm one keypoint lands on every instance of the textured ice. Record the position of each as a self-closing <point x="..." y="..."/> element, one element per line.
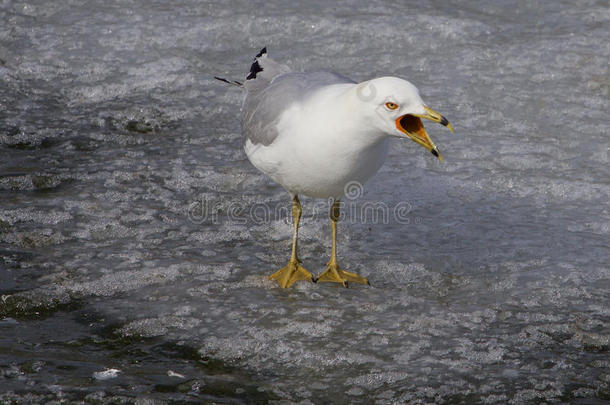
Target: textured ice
<point x="106" y="374"/>
<point x="135" y="235"/>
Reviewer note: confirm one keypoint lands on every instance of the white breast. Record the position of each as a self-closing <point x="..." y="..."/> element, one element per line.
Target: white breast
<point x="320" y="148"/>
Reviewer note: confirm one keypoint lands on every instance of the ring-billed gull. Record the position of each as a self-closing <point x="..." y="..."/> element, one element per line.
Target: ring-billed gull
<point x="316" y="132"/>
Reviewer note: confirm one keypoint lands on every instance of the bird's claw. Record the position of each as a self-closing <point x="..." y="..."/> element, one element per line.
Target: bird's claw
<point x="291" y="273"/>
<point x="337" y="275"/>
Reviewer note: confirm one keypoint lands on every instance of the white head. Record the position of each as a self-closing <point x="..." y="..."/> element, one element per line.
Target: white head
<point x="394" y="107"/>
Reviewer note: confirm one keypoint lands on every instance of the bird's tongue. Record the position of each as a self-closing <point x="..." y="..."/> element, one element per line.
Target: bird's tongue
<point x="413" y="126"/>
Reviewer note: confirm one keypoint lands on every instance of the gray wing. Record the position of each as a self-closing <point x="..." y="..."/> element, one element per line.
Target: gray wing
<point x="263" y="106"/>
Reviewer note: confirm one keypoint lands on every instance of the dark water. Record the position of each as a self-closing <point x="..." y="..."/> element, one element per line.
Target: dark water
<point x="135" y="235"/>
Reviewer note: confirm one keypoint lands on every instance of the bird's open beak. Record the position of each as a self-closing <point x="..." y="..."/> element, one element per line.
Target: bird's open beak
<point x="411" y="125"/>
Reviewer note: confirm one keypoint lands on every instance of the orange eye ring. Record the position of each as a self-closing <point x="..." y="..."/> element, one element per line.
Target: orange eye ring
<point x="391" y="106"/>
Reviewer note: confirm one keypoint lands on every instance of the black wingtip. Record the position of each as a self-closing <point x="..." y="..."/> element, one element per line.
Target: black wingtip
<point x="222" y="79"/>
<point x="434" y="152"/>
<point x="262" y="52"/>
<point x="254" y="69"/>
<point x="232" y="82"/>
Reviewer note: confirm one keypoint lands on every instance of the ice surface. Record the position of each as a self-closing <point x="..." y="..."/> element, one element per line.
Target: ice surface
<point x="135" y="235"/>
<point x="106" y="374"/>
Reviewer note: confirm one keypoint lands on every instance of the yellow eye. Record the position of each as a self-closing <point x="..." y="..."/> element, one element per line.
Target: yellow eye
<point x="391" y="106"/>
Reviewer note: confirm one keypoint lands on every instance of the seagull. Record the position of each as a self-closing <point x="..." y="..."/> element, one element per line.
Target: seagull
<point x="316" y="132"/>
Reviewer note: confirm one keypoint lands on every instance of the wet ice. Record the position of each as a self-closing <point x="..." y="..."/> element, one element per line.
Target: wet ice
<point x="496" y="290"/>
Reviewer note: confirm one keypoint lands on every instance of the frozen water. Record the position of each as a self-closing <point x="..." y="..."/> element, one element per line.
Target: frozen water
<point x="135" y="235"/>
<point x="106" y="374"/>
